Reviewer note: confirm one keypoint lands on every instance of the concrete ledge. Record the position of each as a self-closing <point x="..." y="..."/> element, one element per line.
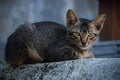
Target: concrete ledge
<point x="107" y="49"/>
<point x="85" y="69"/>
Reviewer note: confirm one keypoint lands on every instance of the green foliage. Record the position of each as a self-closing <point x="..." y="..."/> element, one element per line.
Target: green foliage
<point x="1" y="62"/>
<point x="7" y="67"/>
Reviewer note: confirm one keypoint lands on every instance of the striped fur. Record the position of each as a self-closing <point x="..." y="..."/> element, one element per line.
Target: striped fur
<point x="49" y="41"/>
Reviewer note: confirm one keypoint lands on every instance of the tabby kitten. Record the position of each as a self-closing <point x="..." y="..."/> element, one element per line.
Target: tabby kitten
<point x="50" y="41"/>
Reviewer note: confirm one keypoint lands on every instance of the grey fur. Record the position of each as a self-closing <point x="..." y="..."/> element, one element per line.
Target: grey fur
<point x="48" y="42"/>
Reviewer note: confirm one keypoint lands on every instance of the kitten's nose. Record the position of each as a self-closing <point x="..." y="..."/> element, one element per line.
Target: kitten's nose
<point x="83" y="43"/>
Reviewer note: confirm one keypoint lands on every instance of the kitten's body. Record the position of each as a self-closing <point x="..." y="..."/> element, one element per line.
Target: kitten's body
<point x="50" y="41"/>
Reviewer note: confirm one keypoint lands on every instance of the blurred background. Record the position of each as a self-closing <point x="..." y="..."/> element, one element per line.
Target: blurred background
<point x="16" y="12"/>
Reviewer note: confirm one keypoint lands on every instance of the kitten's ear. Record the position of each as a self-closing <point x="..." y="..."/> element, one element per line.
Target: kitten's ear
<point x="99" y="21"/>
<point x="71" y="17"/>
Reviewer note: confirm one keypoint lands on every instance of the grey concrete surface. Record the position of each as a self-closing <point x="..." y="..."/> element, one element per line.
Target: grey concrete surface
<point x="85" y="69"/>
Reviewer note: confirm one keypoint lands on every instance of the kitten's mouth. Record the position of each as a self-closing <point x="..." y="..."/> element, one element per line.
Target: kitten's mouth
<point x="85" y="47"/>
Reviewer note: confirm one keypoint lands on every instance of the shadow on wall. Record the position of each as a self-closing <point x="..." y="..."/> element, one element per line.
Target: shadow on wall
<point x="16" y="12"/>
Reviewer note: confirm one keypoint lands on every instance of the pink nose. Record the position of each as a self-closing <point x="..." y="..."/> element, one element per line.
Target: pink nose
<point x="83" y="43"/>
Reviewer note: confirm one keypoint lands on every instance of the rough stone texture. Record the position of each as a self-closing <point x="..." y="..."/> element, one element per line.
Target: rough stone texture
<point x="85" y="69"/>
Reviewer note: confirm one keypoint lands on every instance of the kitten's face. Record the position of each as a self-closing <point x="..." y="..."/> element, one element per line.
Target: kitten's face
<point x="83" y="35"/>
<point x="82" y="32"/>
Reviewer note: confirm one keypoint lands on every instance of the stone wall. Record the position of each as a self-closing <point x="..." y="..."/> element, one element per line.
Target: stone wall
<point x="84" y="69"/>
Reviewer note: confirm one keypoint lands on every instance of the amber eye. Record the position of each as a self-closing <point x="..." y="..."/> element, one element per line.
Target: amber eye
<point x="92" y="35"/>
<point x="76" y="34"/>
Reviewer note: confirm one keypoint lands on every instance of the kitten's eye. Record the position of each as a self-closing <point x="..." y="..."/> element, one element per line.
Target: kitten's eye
<point x="92" y="35"/>
<point x="76" y="34"/>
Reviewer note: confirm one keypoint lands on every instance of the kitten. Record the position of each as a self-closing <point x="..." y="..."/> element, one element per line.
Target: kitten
<point x="49" y="41"/>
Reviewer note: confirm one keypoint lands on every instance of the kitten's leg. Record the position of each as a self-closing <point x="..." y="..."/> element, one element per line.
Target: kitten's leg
<point x="58" y="54"/>
<point x="28" y="56"/>
<point x="91" y="56"/>
<point x="34" y="56"/>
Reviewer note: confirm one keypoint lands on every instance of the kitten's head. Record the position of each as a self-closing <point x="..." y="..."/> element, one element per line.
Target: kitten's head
<point x="83" y="32"/>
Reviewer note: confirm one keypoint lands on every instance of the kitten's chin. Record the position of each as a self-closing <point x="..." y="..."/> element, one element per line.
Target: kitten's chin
<point x="85" y="47"/>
